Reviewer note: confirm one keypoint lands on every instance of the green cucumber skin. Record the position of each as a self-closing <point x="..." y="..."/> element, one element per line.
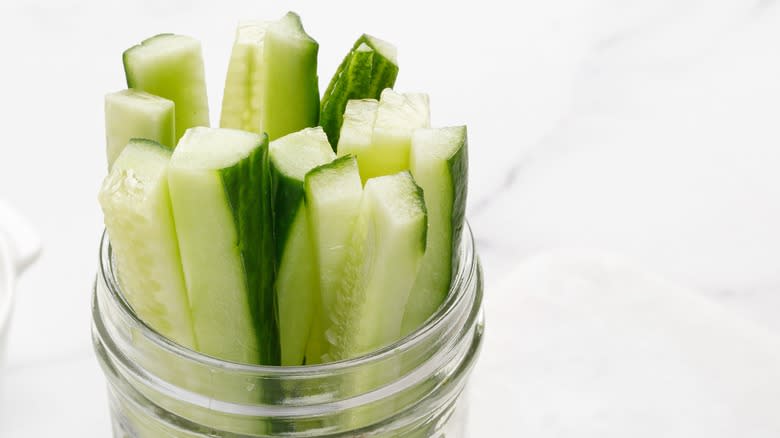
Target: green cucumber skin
<point x="358" y="84"/>
<point x="383" y="76"/>
<point x="292" y="88"/>
<point x="243" y="183"/>
<point x="183" y="83"/>
<point x="355" y="79"/>
<point x="459" y="165"/>
<point x="383" y="71"/>
<point x="431" y="288"/>
<point x="288" y="199"/>
<point x="350" y="82"/>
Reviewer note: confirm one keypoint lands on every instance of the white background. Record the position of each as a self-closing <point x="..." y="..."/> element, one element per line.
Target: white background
<point x="650" y="129"/>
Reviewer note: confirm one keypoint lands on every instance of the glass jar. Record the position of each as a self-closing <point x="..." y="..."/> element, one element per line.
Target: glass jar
<point x="412" y="388"/>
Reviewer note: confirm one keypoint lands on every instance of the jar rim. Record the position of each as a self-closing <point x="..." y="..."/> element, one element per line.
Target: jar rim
<point x="464" y="276"/>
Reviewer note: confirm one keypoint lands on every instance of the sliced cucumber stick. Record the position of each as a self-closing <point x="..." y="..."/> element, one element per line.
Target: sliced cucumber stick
<point x="292" y="93"/>
<point x="397" y="116"/>
<point x="369" y="68"/>
<point x="272" y="83"/>
<point x="383" y="258"/>
<point x="171" y="66"/>
<point x="135" y="114"/>
<point x="137" y="213"/>
<point x="333" y="193"/>
<point x="439" y="164"/>
<point x="297" y="281"/>
<point x="220" y="192"/>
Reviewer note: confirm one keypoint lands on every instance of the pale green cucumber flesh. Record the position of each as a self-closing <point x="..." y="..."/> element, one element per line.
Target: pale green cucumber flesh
<point x="137" y="213"/>
<point x="292" y="87"/>
<point x="297" y="287"/>
<point x="292" y="156"/>
<point x="357" y="128"/>
<point x="220" y="192"/>
<point x="272" y="83"/>
<point x="383" y="258"/>
<point x="366" y="70"/>
<point x="333" y="193"/>
<point x="297" y="282"/>
<point x="439" y="164"/>
<point x="242" y="101"/>
<point x="317" y="345"/>
<point x="171" y="66"/>
<point x="398" y="115"/>
<point x="136" y="114"/>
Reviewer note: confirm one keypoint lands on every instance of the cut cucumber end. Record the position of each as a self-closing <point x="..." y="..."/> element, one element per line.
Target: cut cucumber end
<point x="211" y="149"/>
<point x="150" y="52"/>
<point x="398" y="201"/>
<point x="397" y="116"/>
<point x="145" y="158"/>
<point x="358" y="127"/>
<point x="171" y="66"/>
<point x="384" y="48"/>
<point x="333" y="184"/>
<point x="400" y="114"/>
<point x="435" y="144"/>
<point x="296" y="154"/>
<point x="290" y="28"/>
<point x="251" y="32"/>
<point x="136" y="114"/>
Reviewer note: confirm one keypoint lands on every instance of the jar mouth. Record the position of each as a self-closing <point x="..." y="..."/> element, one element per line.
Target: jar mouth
<point x="465" y="274"/>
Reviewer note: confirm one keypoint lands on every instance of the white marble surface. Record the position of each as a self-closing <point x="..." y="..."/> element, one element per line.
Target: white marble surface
<point x="648" y="129"/>
<point x="603" y="348"/>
